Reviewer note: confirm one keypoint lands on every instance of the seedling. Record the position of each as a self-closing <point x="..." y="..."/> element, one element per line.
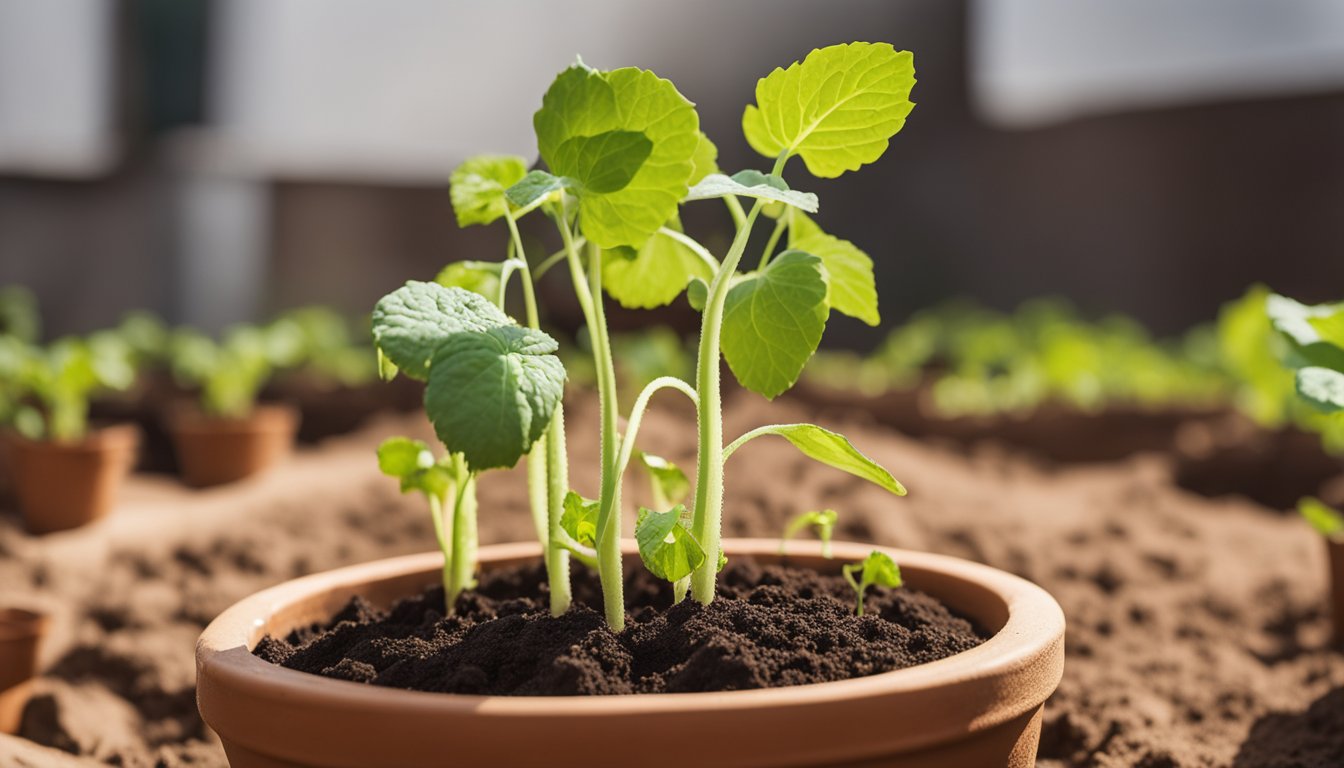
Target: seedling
<point x="230" y="373"/>
<point x="318" y="342"/>
<point x="1314" y="339"/>
<point x="876" y="569"/>
<point x="61" y="379"/>
<point x="822" y="522"/>
<point x="623" y="151"/>
<point x="439" y="481"/>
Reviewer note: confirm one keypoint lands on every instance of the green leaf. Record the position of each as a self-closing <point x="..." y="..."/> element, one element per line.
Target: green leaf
<point x="411" y="323"/>
<point x="751" y="184"/>
<point x="413" y="463"/>
<point x="534" y="186"/>
<point x="838" y="108"/>
<point x="604" y="163"/>
<point x="477" y="187"/>
<point x="670" y="484"/>
<point x="850" y="287"/>
<point x="773" y="321"/>
<point x="1322" y="388"/>
<point x="579" y="519"/>
<point x="821" y="521"/>
<point x="878" y="568"/>
<point x="481" y="277"/>
<point x="585" y="131"/>
<point x="666" y="545"/>
<point x="704" y="161"/>
<point x="1297" y="323"/>
<point x="1327" y="521"/>
<point x="491" y="393"/>
<point x="654" y="275"/>
<point x="1330" y="327"/>
<point x="827" y="447"/>
<point x="697" y="293"/>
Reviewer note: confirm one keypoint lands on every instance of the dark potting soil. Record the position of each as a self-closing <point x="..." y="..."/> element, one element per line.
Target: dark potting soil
<point x="771" y="626"/>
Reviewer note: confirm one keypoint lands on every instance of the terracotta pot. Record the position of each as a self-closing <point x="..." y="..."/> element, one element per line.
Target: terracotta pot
<point x="1335" y="549"/>
<point x="21" y="634"/>
<point x="978" y="708"/>
<point x="65" y="484"/>
<point x="213" y="450"/>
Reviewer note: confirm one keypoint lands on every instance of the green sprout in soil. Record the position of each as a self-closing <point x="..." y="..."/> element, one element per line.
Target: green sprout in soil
<point x="876" y="569"/>
<point x="623" y="152"/>
<point x="822" y="522"/>
<point x="45" y="392"/>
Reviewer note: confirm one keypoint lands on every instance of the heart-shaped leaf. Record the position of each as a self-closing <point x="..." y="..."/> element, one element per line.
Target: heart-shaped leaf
<point x="773" y="321"/>
<point x="666" y="545"/>
<point x="477" y="187"/>
<point x="850" y="287"/>
<point x="654" y="275"/>
<point x="411" y="323"/>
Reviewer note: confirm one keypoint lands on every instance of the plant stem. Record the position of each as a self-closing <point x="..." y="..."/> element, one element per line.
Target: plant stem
<point x="436" y="512"/>
<point x="708" y="517"/>
<point x="769" y="251"/>
<point x="463" y="528"/>
<point x="547" y="465"/>
<point x="557" y="475"/>
<point x="589" y="292"/>
<point x="610" y="567"/>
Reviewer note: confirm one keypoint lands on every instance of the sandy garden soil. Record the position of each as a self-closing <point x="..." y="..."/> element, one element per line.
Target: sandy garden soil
<point x="1196" y="636"/>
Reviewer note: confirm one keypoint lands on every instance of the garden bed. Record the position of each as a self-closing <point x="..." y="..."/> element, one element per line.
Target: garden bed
<point x="1197" y="634"/>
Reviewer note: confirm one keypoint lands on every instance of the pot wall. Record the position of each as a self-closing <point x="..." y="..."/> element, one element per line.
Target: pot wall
<point x="64" y="485"/>
<point x="215" y="451"/>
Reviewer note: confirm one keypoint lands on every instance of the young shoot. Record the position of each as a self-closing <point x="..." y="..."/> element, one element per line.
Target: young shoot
<point x="61" y="379"/>
<point x="822" y="522"/>
<point x="667" y="547"/>
<point x="441" y="482"/>
<point x="229" y="374"/>
<point x="876" y="569"/>
<point x="1327" y="521"/>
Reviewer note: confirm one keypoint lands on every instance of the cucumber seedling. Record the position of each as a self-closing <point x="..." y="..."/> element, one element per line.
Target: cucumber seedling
<point x="876" y="569"/>
<point x="60" y="379"/>
<point x="822" y="522"/>
<point x="623" y="152"/>
<point x="229" y="374"/>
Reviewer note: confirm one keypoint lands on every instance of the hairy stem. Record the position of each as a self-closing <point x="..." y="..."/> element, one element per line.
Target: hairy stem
<point x="708" y="518"/>
<point x="445" y="546"/>
<point x="557" y="476"/>
<point x="770" y="244"/>
<point x="463" y="561"/>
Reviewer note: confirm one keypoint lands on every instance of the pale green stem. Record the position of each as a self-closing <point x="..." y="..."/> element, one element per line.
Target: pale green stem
<point x="546" y="463"/>
<point x="557" y="474"/>
<point x="441" y="536"/>
<point x="696" y="248"/>
<point x="463" y="527"/>
<point x="589" y="292"/>
<point x="769" y="251"/>
<point x="708" y="517"/>
<point x="637" y="415"/>
<point x="735" y="210"/>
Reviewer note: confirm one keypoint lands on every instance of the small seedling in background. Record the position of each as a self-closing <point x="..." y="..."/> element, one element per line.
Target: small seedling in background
<point x="822" y="522"/>
<point x="229" y="373"/>
<point x="413" y="463"/>
<point x="877" y="569"/>
<point x="1314" y="339"/>
<point x="1327" y="521"/>
<point x="62" y="378"/>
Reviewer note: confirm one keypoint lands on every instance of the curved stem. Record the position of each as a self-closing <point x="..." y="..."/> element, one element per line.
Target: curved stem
<point x="696" y="248"/>
<point x="707" y="521"/>
<point x="637" y="415"/>
<point x="553" y="259"/>
<point x="735" y="209"/>
<point x="769" y="251"/>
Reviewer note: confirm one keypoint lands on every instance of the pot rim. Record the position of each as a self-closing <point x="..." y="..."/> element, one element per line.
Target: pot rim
<point x="1033" y="631"/>
<point x="18" y="623"/>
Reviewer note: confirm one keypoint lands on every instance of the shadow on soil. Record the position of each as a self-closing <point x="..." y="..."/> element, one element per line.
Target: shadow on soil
<point x="1313" y="738"/>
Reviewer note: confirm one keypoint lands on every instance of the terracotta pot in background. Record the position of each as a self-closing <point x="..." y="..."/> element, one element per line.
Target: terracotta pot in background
<point x="21" y="635"/>
<point x="66" y="484"/>
<point x="214" y="450"/>
<point x="1335" y="550"/>
<point x="976" y="709"/>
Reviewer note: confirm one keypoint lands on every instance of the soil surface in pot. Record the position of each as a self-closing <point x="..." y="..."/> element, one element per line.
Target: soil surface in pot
<point x="770" y="626"/>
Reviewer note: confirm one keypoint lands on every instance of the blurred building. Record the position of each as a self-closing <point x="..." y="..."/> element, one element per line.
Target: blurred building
<point x="216" y="160"/>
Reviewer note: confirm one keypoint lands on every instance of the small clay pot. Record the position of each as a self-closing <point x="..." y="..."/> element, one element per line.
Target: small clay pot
<point x="977" y="709"/>
<point x="1335" y="550"/>
<point x="66" y="484"/>
<point x="21" y="635"/>
<point x="214" y="450"/>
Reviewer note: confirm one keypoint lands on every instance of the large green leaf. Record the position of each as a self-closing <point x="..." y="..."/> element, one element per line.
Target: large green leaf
<point x="653" y="275"/>
<point x="704" y="161"/>
<point x="829" y="448"/>
<point x="666" y="545"/>
<point x="1323" y="388"/>
<point x="773" y="321"/>
<point x="586" y="131"/>
<point x="491" y="393"/>
<point x="838" y="108"/>
<point x="1301" y="326"/>
<point x="411" y="323"/>
<point x="477" y="187"/>
<point x="752" y="184"/>
<point x="850" y="287"/>
<point x="1330" y="327"/>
